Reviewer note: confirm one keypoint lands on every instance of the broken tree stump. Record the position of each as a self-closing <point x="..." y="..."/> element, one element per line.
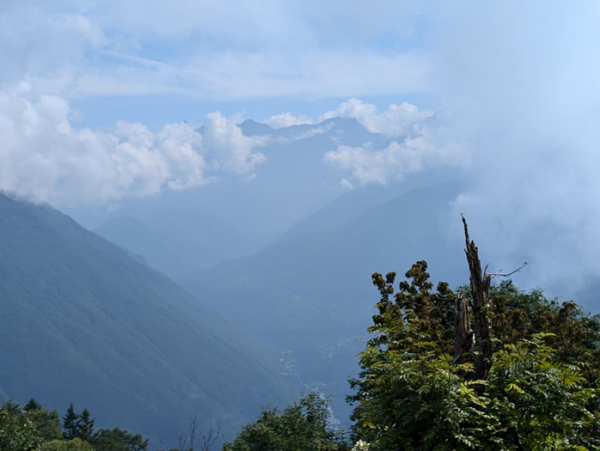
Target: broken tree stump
<point x="480" y="288"/>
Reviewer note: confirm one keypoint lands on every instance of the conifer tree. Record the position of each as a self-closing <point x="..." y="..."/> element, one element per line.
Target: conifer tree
<point x="70" y="423"/>
<point x="31" y="405"/>
<point x="85" y="426"/>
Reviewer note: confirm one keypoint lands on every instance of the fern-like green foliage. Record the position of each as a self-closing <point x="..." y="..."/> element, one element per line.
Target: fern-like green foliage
<point x="415" y="394"/>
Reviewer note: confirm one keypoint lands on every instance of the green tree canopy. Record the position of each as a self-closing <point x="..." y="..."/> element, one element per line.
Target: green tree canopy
<point x="118" y="440"/>
<point x="302" y="426"/>
<point x="17" y="432"/>
<point x="47" y="424"/>
<point x="486" y="367"/>
<point x="70" y="421"/>
<point x="32" y="404"/>
<point x="85" y="426"/>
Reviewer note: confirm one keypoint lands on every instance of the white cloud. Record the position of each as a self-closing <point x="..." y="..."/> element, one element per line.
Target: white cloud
<point x="321" y="73"/>
<point x="429" y="143"/>
<point x="523" y="78"/>
<point x="395" y="121"/>
<point x="346" y="184"/>
<point x="233" y="150"/>
<point x="44" y="158"/>
<point x="217" y="50"/>
<point x="312" y="131"/>
<point x="41" y="45"/>
<point x="286" y="120"/>
<point x="270" y="22"/>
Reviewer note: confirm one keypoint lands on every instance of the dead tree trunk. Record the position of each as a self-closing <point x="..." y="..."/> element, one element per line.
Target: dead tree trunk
<point x="480" y="288"/>
<point x="463" y="335"/>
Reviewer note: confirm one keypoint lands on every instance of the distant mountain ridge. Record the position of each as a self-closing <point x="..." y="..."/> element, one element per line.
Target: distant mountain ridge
<point x="292" y="183"/>
<point x="83" y="322"/>
<point x="354" y="203"/>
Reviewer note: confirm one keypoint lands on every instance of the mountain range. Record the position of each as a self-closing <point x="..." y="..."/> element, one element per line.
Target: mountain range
<point x="221" y="298"/>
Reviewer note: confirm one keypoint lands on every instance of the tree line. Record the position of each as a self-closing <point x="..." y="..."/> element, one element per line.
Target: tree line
<point x="31" y="427"/>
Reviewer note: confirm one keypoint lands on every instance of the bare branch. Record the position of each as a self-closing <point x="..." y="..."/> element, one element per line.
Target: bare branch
<point x="193" y="429"/>
<point x="162" y="443"/>
<point x="210" y="438"/>
<point x="181" y="441"/>
<point x="499" y="274"/>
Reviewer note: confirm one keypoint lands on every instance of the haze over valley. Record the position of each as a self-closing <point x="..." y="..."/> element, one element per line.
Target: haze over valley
<point x="194" y="196"/>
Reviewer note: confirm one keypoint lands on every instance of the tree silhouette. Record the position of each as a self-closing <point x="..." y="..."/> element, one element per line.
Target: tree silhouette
<point x="85" y="426"/>
<point x="70" y="423"/>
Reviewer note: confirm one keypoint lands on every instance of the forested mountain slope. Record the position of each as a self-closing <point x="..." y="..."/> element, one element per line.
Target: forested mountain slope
<point x="83" y="322"/>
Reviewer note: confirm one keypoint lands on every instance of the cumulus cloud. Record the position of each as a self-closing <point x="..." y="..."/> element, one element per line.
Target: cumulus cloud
<point x="58" y="51"/>
<point x="429" y="143"/>
<point x="286" y="120"/>
<point x="233" y="150"/>
<point x="395" y="121"/>
<point x="44" y="158"/>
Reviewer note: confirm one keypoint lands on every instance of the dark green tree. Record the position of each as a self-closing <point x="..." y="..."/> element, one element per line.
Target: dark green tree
<point x="32" y="404"/>
<point x="13" y="408"/>
<point x="302" y="426"/>
<point x="70" y="423"/>
<point x="85" y="426"/>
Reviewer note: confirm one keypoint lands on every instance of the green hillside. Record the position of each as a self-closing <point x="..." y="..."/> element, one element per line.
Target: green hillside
<point x="84" y="322"/>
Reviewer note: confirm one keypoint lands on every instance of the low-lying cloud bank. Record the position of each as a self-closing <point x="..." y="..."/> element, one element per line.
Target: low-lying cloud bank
<point x="44" y="158"/>
<point x="286" y="120"/>
<point x="395" y="121"/>
<point x="426" y="144"/>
